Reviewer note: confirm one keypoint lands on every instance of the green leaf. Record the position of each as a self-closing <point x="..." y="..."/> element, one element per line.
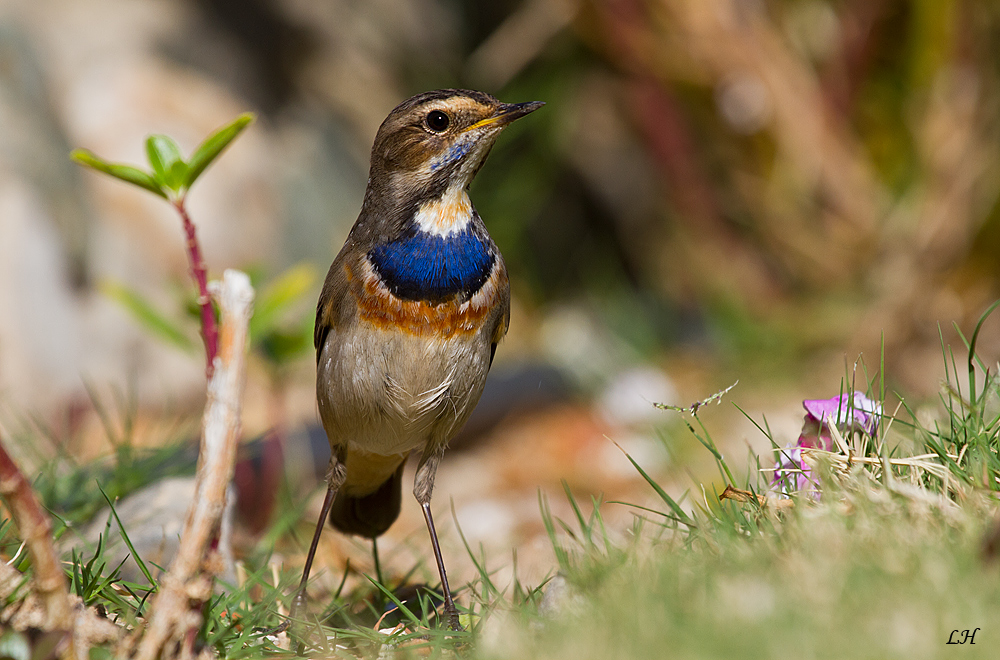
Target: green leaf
<point x="147" y="316"/>
<point x="279" y="295"/>
<point x="281" y="347"/>
<point x="126" y="173"/>
<point x="177" y="175"/>
<point x="164" y="155"/>
<point x="208" y="150"/>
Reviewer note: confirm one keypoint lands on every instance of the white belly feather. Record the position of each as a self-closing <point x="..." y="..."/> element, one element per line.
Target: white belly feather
<point x="398" y="393"/>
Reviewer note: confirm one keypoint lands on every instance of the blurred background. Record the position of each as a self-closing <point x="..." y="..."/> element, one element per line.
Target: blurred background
<point x="716" y="190"/>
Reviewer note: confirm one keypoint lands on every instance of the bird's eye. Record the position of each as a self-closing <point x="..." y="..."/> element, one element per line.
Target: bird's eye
<point x="437" y="121"/>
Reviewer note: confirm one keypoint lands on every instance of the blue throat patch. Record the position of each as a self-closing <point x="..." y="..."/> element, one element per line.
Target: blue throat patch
<point x="424" y="266"/>
<point x="455" y="152"/>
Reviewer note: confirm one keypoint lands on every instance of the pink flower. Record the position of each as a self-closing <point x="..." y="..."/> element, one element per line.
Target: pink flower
<point x="850" y="413"/>
<point x="792" y="474"/>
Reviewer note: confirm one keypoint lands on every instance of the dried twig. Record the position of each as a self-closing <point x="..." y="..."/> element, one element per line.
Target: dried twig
<point x="744" y="496"/>
<point x="36" y="529"/>
<point x="176" y="611"/>
<point x="27" y="611"/>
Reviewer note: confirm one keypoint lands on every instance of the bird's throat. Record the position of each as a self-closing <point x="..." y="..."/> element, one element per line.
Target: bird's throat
<point x="448" y="214"/>
<point x="443" y="252"/>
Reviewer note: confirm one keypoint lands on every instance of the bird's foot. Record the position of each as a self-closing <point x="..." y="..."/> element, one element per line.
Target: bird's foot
<point x="298" y="605"/>
<point x="451" y="614"/>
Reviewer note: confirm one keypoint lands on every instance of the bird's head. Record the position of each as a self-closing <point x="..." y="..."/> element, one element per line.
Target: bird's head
<point x="435" y="142"/>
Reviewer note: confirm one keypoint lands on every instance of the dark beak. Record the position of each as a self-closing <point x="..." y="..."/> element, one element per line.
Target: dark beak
<point x="508" y="112"/>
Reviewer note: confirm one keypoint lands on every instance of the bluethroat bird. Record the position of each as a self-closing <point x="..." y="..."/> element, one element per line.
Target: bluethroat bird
<point x="410" y="315"/>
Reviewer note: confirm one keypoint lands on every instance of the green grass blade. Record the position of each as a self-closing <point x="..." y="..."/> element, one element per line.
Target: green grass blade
<point x="585" y="528"/>
<point x="414" y="619"/>
<point x="664" y="514"/>
<point x="669" y="501"/>
<point x="972" y="349"/>
<point x="128" y="542"/>
<point x="562" y="557"/>
<point x="488" y="586"/>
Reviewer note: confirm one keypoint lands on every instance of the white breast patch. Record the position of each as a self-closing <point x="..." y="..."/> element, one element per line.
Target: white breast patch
<point x="449" y="214"/>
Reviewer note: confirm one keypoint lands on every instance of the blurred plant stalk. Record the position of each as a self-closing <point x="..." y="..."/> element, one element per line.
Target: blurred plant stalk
<point x="812" y="166"/>
<point x="35" y="528"/>
<point x="277" y="342"/>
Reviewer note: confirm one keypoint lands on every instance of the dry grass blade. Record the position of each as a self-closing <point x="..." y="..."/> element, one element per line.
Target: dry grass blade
<point x="875" y="467"/>
<point x="926" y="462"/>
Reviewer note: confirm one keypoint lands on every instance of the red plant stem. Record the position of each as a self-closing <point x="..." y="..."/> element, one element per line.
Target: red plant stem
<point x="36" y="529"/>
<point x="209" y="330"/>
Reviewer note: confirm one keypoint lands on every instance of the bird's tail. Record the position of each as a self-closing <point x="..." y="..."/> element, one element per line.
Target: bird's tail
<point x="369" y="515"/>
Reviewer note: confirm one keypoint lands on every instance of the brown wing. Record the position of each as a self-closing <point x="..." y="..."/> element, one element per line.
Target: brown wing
<point x="330" y="308"/>
<point x="503" y="320"/>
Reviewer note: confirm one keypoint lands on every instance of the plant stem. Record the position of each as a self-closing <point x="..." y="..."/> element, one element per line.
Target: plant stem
<point x="36" y="529"/>
<point x="209" y="330"/>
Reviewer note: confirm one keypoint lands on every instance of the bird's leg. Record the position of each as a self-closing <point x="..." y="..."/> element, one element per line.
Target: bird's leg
<point x="335" y="479"/>
<point x="423" y="484"/>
